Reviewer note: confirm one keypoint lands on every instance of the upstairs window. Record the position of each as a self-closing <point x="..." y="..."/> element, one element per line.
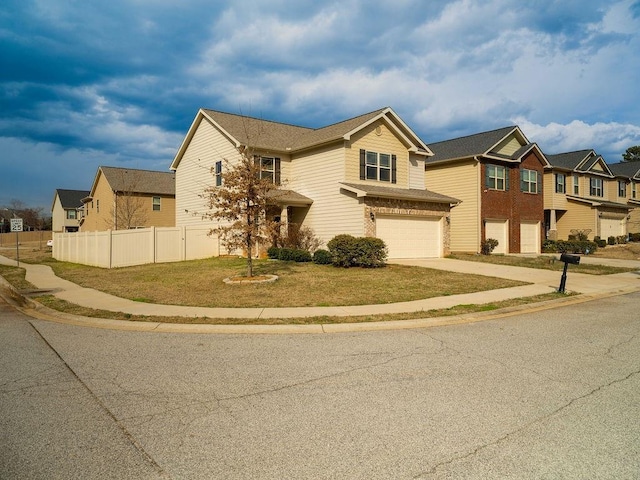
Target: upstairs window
<point x="496" y="177"/>
<point x="622" y="189"/>
<point x="218" y="173"/>
<point x="270" y="169"/>
<point x="561" y="183"/>
<point x="595" y="185"/>
<point x="156" y="204"/>
<point x="576" y="185"/>
<point x="633" y="189"/>
<point x="529" y="181"/>
<point x="72" y="214"/>
<point x="377" y="166"/>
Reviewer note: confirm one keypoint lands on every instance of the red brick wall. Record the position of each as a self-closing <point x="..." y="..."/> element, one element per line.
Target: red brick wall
<point x="514" y="205"/>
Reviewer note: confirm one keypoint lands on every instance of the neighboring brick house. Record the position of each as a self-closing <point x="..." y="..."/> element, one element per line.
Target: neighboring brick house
<point x="498" y="176"/>
<point x="66" y="210"/>
<point x="127" y="198"/>
<point x="362" y="176"/>
<point x="584" y="196"/>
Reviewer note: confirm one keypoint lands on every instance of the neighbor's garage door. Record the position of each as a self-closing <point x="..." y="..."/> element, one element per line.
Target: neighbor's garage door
<point x="530" y="237"/>
<point x="410" y="237"/>
<point x="497" y="229"/>
<point x="610" y="227"/>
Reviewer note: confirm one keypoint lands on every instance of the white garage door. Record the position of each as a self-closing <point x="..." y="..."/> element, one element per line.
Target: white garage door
<point x="530" y="237"/>
<point x="610" y="227"/>
<point x="410" y="237"/>
<point x="497" y="229"/>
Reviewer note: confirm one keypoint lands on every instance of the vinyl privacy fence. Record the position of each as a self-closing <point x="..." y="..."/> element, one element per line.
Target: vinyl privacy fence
<point x="125" y="248"/>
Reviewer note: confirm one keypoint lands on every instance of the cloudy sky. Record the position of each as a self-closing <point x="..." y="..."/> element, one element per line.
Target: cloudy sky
<point x="118" y="82"/>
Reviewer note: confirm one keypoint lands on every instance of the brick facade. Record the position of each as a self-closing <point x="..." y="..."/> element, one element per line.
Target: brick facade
<point x="513" y="204"/>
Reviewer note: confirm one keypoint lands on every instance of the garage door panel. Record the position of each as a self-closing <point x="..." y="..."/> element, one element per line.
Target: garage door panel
<point x="497" y="229"/>
<point x="610" y="227"/>
<point x="410" y="237"/>
<point x="530" y="237"/>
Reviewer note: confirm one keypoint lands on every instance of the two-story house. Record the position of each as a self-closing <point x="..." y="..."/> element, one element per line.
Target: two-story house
<point x="498" y="176"/>
<point x="127" y="198"/>
<point x="66" y="210"/>
<point x="628" y="191"/>
<point x="363" y="176"/>
<point x="584" y="197"/>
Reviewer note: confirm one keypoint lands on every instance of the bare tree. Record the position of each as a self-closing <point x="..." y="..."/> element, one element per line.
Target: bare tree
<point x="129" y="209"/>
<point x="240" y="203"/>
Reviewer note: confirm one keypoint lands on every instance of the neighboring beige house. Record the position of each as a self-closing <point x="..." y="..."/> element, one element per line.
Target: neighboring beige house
<point x="66" y="210"/>
<point x="628" y="186"/>
<point x="363" y="176"/>
<point x="498" y="176"/>
<point x="583" y="196"/>
<point x="125" y="198"/>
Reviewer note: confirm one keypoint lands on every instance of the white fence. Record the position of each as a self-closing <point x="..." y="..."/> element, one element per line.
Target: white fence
<point x="124" y="248"/>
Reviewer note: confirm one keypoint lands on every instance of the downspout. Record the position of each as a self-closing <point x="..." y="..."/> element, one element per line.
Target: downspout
<point x="479" y="212"/>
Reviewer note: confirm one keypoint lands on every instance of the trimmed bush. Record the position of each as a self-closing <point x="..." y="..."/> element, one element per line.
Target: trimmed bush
<point x="574" y="246"/>
<point x="600" y="242"/>
<point x="634" y="237"/>
<point x="487" y="246"/>
<point x="273" y="253"/>
<point x="349" y="251"/>
<point x="621" y="240"/>
<point x="322" y="257"/>
<point x="549" y="246"/>
<point x="611" y="240"/>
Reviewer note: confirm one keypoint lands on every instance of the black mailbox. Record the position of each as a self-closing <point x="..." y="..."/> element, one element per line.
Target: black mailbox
<point x="568" y="258"/>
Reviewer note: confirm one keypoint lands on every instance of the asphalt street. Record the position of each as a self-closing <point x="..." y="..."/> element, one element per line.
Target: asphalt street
<point x="552" y="394"/>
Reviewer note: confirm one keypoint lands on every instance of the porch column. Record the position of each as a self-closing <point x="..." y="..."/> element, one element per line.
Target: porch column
<point x="553" y="228"/>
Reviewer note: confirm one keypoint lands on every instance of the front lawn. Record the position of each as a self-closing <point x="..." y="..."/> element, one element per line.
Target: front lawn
<point x="200" y="283"/>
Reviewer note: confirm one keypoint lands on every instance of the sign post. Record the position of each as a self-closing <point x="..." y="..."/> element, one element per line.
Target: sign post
<point x="16" y="226"/>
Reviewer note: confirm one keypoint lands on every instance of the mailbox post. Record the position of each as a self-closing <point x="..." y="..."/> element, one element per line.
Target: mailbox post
<point x="567" y="259"/>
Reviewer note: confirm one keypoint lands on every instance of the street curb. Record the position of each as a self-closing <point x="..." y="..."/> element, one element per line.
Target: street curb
<point x="38" y="311"/>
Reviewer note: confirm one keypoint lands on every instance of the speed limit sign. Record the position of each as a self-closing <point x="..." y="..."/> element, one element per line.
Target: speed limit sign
<point x="16" y="224"/>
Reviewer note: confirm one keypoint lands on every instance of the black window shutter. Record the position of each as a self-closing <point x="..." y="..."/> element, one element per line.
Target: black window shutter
<point x="276" y="168"/>
<point x="362" y="164"/>
<point x="486" y="177"/>
<point x="394" y="168"/>
<point x="506" y="178"/>
<point x="539" y="186"/>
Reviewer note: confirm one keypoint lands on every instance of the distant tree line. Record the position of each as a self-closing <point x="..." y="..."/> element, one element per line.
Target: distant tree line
<point x="33" y="219"/>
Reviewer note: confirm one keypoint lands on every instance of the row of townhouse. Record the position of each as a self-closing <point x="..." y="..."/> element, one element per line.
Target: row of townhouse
<point x="372" y="175"/>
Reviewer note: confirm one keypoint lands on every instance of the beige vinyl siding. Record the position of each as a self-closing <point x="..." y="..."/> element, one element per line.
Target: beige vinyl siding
<point x="166" y="216"/>
<point x="461" y="181"/>
<point x="553" y="200"/>
<point x="193" y="174"/>
<point x="317" y="175"/>
<point x="577" y="217"/>
<point x="416" y="171"/>
<point x="58" y="216"/>
<point x="509" y="146"/>
<point x="99" y="211"/>
<point x="385" y="142"/>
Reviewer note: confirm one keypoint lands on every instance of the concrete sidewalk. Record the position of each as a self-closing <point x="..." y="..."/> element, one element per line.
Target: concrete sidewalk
<point x="542" y="281"/>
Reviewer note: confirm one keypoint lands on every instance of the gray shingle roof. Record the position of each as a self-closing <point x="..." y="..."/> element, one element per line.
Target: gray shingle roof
<point x="568" y="160"/>
<point x="274" y="136"/>
<point x="626" y="169"/>
<point x="140" y="181"/>
<point x="401" y="193"/>
<point x="71" y="198"/>
<point x="469" y="146"/>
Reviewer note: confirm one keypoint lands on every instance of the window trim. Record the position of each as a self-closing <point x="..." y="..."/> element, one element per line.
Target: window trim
<point x="532" y="181"/>
<point x="366" y="165"/>
<point x="622" y="189"/>
<point x="272" y="174"/>
<point x="154" y="204"/>
<point x="218" y="173"/>
<point x="596" y="187"/>
<point x="492" y="181"/>
<point x="70" y="212"/>
<point x="576" y="184"/>
<point x="561" y="186"/>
